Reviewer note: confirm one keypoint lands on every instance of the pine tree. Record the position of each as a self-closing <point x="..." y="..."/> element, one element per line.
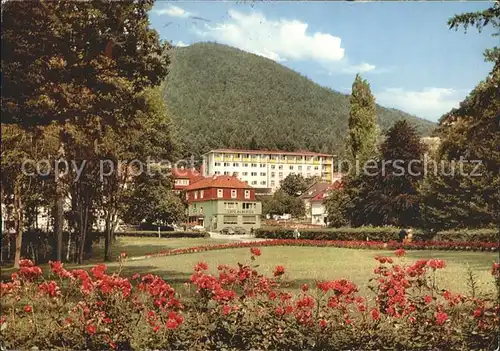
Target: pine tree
<point x="362" y="121"/>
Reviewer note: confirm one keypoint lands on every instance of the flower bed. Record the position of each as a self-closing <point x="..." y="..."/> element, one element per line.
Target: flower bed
<point x="238" y="308"/>
<point x="352" y="244"/>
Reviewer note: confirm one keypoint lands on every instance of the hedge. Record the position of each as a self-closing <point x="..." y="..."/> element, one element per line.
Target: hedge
<point x="167" y="234"/>
<point x="379" y="234"/>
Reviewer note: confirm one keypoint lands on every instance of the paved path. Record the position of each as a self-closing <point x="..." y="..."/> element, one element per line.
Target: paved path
<point x="218" y="236"/>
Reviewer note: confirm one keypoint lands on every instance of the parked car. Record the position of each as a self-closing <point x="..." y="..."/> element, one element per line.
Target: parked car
<point x="227" y="231"/>
<point x="240" y="231"/>
<point x="198" y="228"/>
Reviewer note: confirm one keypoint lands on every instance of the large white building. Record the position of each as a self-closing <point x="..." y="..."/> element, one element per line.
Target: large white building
<point x="266" y="169"/>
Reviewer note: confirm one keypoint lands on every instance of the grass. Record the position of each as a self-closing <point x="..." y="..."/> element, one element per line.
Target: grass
<point x="302" y="264"/>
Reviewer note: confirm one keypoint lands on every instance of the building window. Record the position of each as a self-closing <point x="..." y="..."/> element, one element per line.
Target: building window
<point x="273" y="174"/>
<point x="254" y="182"/>
<point x="281" y="175"/>
<point x="316" y="168"/>
<point x="226" y="164"/>
<point x="217" y="172"/>
<point x="230" y="205"/>
<point x="220" y="192"/>
<point x="253" y="174"/>
<point x="236" y="164"/>
<point x="273" y="166"/>
<point x="280" y="167"/>
<point x="201" y="194"/>
<point x="262" y="182"/>
<point x="230" y="219"/>
<point x="234" y="194"/>
<point x="273" y="183"/>
<point x="254" y="165"/>
<point x="308" y="168"/>
<point x="262" y="165"/>
<point x="245" y="173"/>
<point x="300" y="168"/>
<point x="217" y="164"/>
<point x="245" y="165"/>
<point x="291" y="167"/>
<point x="249" y="206"/>
<point x="247" y="194"/>
<point x="262" y="174"/>
<point x="249" y="219"/>
<point x="227" y="173"/>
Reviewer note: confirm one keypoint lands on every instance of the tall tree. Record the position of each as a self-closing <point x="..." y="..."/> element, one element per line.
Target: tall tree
<point x="386" y="192"/>
<point x="80" y="65"/>
<point x="471" y="132"/>
<point x="362" y="121"/>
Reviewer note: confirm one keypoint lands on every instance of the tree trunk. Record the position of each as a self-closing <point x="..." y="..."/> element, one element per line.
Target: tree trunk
<point x="107" y="237"/>
<point x="59" y="206"/>
<point x="18" y="223"/>
<point x="58" y="222"/>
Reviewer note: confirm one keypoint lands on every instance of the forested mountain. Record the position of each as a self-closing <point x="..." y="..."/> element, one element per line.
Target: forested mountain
<point x="220" y="96"/>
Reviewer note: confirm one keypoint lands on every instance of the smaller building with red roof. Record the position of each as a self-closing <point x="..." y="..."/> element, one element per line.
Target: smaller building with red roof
<point x="318" y="210"/>
<point x="183" y="177"/>
<point x="220" y="202"/>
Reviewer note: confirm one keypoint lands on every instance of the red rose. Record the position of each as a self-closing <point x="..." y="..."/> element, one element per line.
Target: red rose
<point x="91" y="329"/>
<point x="375" y="314"/>
<point x="28" y="309"/>
<point x="255" y="251"/>
<point x="279" y="270"/>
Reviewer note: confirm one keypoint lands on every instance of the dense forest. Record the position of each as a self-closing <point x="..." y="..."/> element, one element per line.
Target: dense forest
<point x="220" y="96"/>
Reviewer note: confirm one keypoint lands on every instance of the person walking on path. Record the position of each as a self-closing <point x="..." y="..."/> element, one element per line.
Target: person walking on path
<point x="296" y="233"/>
<point x="402" y="235"/>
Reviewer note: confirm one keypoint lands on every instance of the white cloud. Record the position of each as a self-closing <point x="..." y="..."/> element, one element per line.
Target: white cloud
<point x="348" y="68"/>
<point x="173" y="11"/>
<point x="181" y="44"/>
<point x="278" y="40"/>
<point x="429" y="102"/>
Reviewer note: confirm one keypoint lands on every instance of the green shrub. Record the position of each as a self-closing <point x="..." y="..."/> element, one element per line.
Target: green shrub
<point x="378" y="234"/>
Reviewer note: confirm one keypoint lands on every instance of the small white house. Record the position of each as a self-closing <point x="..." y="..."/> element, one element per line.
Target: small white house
<point x="318" y="210"/>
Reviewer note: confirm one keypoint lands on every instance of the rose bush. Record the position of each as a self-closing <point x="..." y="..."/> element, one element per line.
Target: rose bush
<point x="239" y="308"/>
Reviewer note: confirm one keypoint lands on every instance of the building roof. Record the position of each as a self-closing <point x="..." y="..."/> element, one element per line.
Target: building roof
<point x="271" y="152"/>
<point x="314" y="190"/>
<point x="324" y="193"/>
<point x="219" y="182"/>
<point x="185" y="173"/>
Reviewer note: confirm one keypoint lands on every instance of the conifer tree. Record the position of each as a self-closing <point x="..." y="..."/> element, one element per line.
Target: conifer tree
<point x="362" y="121"/>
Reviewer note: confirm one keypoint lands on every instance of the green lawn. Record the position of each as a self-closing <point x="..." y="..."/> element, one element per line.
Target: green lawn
<point x="302" y="264"/>
<point x="306" y="264"/>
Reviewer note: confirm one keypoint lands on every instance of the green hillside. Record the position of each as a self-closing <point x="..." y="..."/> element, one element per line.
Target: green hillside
<point x="220" y="96"/>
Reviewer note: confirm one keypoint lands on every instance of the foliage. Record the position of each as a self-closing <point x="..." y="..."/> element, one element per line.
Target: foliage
<point x="296" y="184"/>
<point x="362" y="121"/>
<point x="282" y="203"/>
<point x="386" y="191"/>
<point x="480" y="20"/>
<point x="86" y="71"/>
<point x="239" y="308"/>
<point x="381" y="234"/>
<point x="244" y="96"/>
<point x="150" y="199"/>
<point x="336" y="207"/>
<point x="471" y="132"/>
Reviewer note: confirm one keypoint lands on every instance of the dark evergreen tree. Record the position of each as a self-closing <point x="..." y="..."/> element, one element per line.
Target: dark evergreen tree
<point x="386" y="193"/>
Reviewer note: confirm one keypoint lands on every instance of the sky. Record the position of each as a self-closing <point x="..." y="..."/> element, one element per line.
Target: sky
<point x="405" y="50"/>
